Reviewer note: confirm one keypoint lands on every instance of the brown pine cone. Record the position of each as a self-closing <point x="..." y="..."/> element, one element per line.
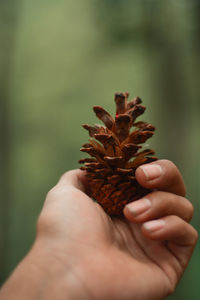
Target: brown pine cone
<point x="116" y="153"/>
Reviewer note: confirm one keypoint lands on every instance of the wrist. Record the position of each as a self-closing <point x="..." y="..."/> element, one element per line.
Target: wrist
<point x="43" y="274"/>
<point x="56" y="270"/>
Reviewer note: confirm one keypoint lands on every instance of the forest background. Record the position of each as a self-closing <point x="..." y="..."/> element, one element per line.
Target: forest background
<point x="57" y="60"/>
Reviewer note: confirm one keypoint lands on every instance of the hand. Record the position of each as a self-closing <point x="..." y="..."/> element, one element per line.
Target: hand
<point x="140" y="257"/>
<point x="81" y="253"/>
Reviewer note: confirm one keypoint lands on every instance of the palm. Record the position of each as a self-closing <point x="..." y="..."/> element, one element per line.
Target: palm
<point x="151" y="260"/>
<point x="131" y="255"/>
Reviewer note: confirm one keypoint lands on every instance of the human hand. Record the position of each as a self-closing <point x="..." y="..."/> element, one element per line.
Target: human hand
<point x="141" y="256"/>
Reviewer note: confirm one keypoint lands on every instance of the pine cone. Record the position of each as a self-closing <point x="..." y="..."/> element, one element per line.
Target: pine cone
<point x="116" y="154"/>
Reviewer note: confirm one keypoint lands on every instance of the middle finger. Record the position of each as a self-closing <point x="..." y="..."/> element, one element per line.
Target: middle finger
<point x="158" y="204"/>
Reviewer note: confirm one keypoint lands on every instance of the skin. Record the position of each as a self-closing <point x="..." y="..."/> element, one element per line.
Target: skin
<point x="81" y="253"/>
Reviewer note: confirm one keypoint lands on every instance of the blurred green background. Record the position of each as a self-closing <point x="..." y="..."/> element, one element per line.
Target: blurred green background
<point x="57" y="60"/>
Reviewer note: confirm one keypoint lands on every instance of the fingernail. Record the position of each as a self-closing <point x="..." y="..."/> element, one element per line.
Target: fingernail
<point x="152" y="171"/>
<point x="154" y="225"/>
<point x="138" y="207"/>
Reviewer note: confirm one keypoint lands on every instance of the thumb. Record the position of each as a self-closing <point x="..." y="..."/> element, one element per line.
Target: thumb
<point x="75" y="178"/>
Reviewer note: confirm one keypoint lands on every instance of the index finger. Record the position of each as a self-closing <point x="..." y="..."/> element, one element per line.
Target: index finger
<point x="161" y="175"/>
<point x="70" y="186"/>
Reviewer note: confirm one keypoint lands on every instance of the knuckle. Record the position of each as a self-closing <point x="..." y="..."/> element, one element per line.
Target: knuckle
<point x="52" y="192"/>
<point x="186" y="209"/>
<point x="176" y="221"/>
<point x="56" y="192"/>
<point x="67" y="174"/>
<point x="190" y="210"/>
<point x="64" y="175"/>
<point x="169" y="166"/>
<point x="196" y="236"/>
<point x="59" y="192"/>
<point x="175" y="179"/>
<point x="156" y="199"/>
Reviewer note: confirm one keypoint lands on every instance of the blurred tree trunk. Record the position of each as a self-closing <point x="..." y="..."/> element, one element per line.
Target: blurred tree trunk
<point x="173" y="93"/>
<point x="9" y="12"/>
<point x="176" y="89"/>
